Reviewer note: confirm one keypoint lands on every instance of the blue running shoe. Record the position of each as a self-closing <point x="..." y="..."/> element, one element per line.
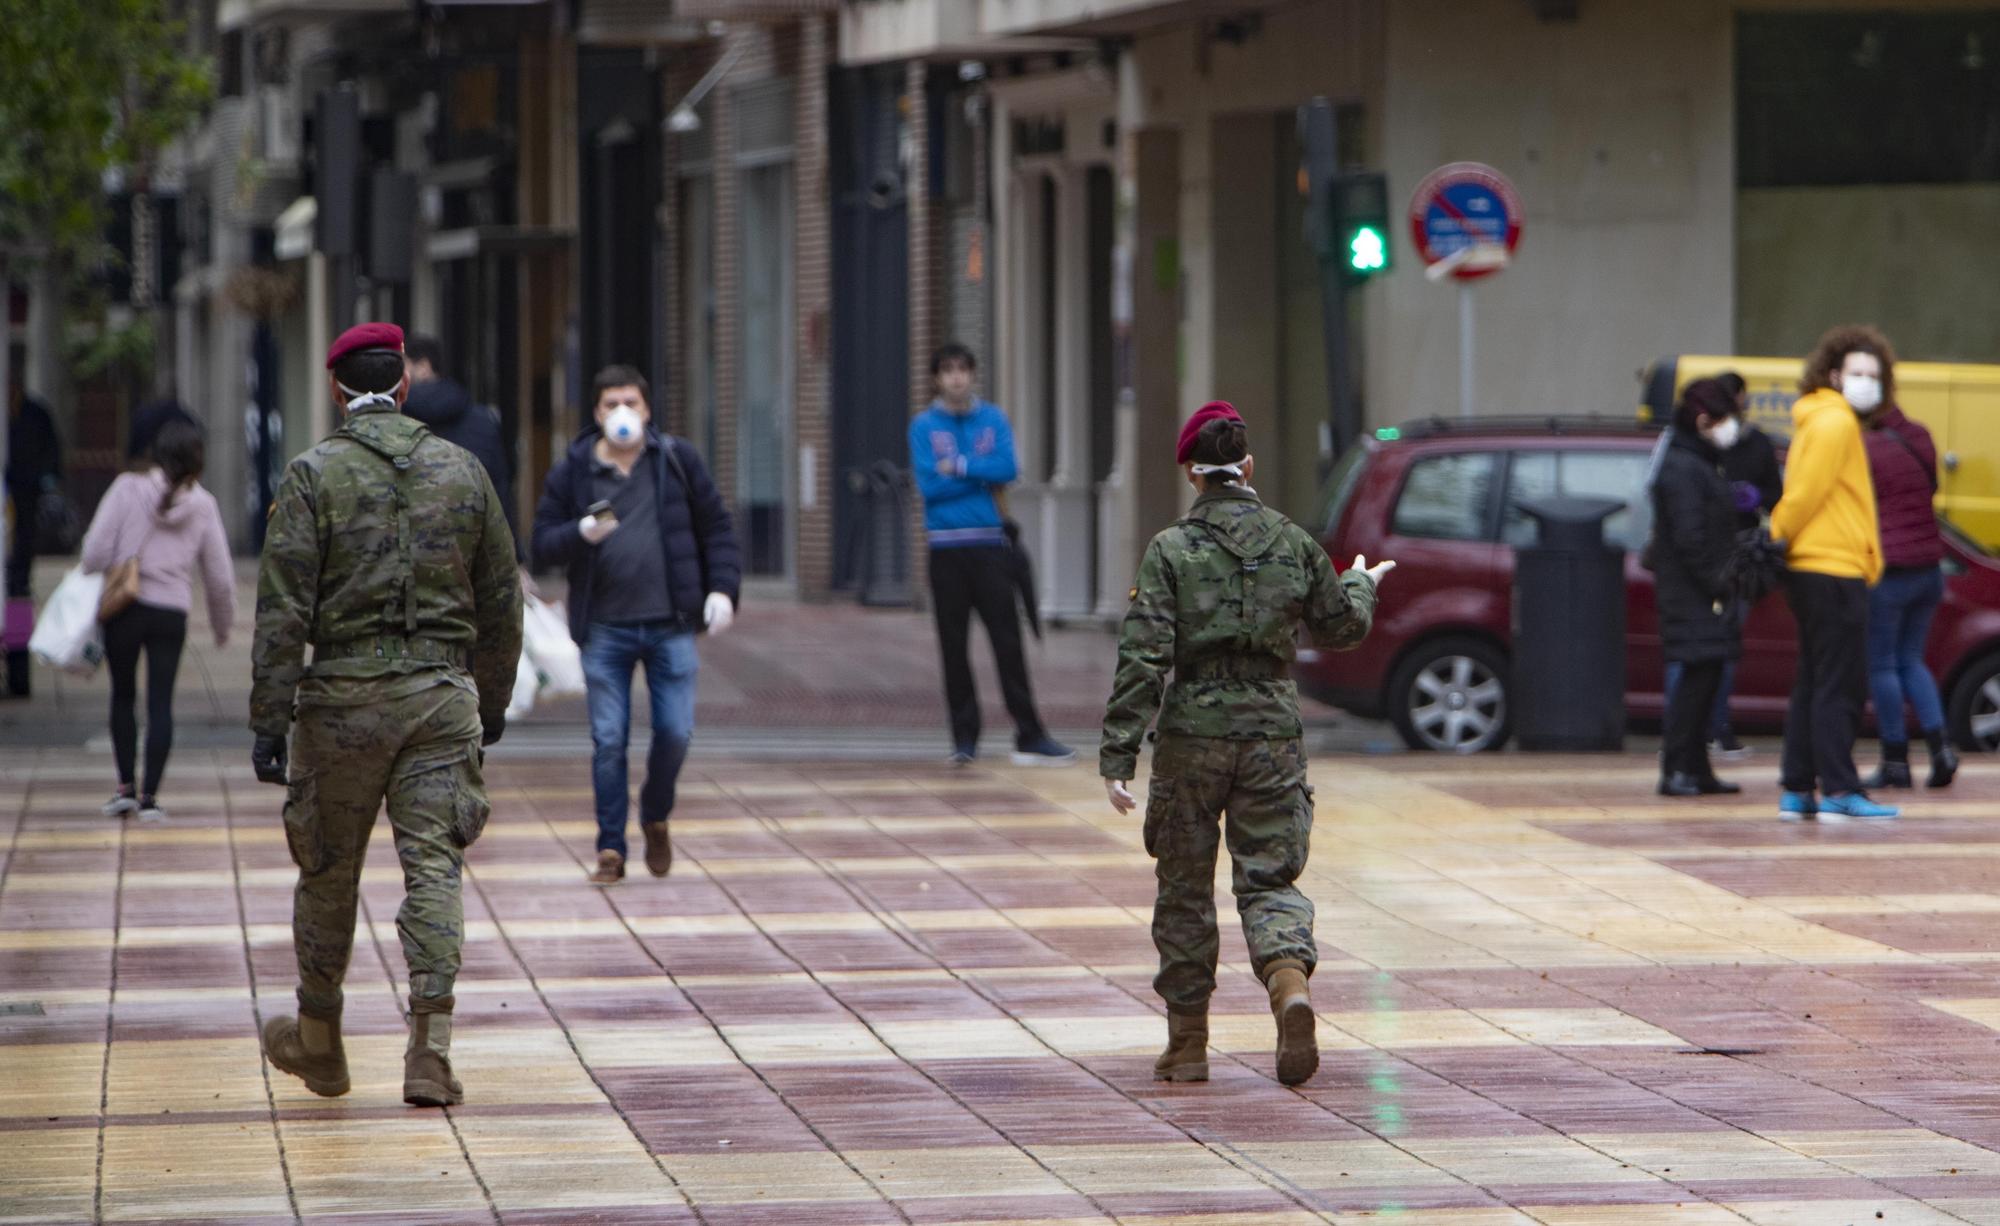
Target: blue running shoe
<point x="1797" y="807"/>
<point x="1857" y="805"/>
<point x="1044" y="752"/>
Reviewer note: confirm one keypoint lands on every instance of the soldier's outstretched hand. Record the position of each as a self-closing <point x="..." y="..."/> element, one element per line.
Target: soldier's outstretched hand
<point x="1120" y="795"/>
<point x="1374" y="572"/>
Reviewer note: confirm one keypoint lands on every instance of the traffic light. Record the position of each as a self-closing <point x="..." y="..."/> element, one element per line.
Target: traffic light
<point x="1360" y="224"/>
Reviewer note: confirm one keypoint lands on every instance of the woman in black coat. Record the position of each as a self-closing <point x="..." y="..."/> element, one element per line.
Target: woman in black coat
<point x="1694" y="532"/>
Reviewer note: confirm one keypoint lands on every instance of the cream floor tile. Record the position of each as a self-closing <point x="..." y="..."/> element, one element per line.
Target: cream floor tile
<point x="651" y="1046"/>
<point x="751" y="1178"/>
<point x="995" y="1038"/>
<point x="1360" y="1163"/>
<point x="50" y="1078"/>
<point x="1720" y="1154"/>
<point x="1547" y="1159"/>
<point x="178" y="1075"/>
<point x="48" y="1174"/>
<point x="1893" y="1153"/>
<point x="1891" y="1209"/>
<point x="192" y="1171"/>
<point x="1110" y="1170"/>
<point x="978" y="1170"/>
<point x="563" y="1162"/>
<point x="407" y="1165"/>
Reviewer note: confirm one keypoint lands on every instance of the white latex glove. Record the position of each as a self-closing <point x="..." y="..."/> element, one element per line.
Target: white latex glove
<point x="594" y="529"/>
<point x="1374" y="572"/>
<point x="1119" y="795"/>
<point x="719" y="613"/>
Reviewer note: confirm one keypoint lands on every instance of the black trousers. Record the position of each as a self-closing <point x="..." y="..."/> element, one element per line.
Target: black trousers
<point x="1831" y="685"/>
<point x="1684" y="739"/>
<point x="161" y="633"/>
<point x="965" y="581"/>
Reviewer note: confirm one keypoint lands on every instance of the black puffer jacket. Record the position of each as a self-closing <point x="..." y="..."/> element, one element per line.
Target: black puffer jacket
<point x="446" y="407"/>
<point x="1694" y="532"/>
<point x="697" y="543"/>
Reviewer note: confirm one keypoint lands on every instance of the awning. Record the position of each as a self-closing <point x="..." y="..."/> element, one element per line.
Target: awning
<point x="293" y="238"/>
<point x="496" y="240"/>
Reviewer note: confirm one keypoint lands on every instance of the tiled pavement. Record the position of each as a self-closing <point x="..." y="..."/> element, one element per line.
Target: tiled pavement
<point x="892" y="994"/>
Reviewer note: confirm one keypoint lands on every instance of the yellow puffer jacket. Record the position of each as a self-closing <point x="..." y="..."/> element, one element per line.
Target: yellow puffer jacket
<point x="1827" y="515"/>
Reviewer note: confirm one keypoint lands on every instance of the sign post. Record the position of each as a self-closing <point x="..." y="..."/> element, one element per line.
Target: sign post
<point x="1465" y="220"/>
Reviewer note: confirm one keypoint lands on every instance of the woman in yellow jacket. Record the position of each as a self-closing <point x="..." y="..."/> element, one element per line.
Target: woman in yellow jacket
<point x="1826" y="520"/>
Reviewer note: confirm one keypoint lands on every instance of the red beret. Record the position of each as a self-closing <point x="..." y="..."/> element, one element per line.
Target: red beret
<point x="364" y="336"/>
<point x="1202" y="416"/>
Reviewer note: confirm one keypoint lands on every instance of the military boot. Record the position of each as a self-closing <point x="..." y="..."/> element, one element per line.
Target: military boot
<point x="1186" y="1057"/>
<point x="1291" y="1005"/>
<point x="309" y="1048"/>
<point x="427" y="1079"/>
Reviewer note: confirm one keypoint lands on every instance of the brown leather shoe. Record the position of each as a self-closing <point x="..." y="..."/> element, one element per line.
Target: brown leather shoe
<point x="1186" y="1057"/>
<point x="610" y="869"/>
<point x="1291" y="1005"/>
<point x="659" y="852"/>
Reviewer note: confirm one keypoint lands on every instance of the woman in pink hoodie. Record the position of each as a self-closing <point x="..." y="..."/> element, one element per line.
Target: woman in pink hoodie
<point x="172" y="525"/>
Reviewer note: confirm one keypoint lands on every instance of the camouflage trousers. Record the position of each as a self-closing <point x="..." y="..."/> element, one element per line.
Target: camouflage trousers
<point x="1254" y="794"/>
<point x="419" y="752"/>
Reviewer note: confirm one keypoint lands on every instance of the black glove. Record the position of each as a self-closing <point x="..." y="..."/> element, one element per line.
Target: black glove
<point x="490" y="733"/>
<point x="267" y="757"/>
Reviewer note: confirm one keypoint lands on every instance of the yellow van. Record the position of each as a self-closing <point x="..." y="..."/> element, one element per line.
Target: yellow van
<point x="1960" y="403"/>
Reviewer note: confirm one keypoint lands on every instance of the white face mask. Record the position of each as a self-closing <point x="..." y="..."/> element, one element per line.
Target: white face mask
<point x="1725" y="435"/>
<point x="624" y="426"/>
<point x="1864" y="392"/>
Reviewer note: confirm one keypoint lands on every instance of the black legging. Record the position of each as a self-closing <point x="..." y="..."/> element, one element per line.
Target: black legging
<point x="162" y="633"/>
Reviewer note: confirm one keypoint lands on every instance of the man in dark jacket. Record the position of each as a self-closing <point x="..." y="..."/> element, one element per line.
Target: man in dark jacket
<point x="1694" y="532"/>
<point x="446" y="407"/>
<point x="652" y="561"/>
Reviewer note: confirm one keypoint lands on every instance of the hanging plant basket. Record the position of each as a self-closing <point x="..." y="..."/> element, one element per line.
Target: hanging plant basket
<point x="261" y="292"/>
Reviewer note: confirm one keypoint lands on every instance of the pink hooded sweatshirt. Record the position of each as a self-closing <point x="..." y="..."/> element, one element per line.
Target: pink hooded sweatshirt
<point x="169" y="546"/>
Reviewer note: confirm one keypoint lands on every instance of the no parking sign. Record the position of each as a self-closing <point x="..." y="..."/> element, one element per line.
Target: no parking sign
<point x="1465" y="220"/>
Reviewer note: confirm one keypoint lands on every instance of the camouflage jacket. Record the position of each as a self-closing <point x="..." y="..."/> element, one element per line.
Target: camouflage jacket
<point x="1219" y="601"/>
<point x="388" y="553"/>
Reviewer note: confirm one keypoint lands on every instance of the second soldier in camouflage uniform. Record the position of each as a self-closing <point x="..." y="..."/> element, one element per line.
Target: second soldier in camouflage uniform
<point x="1218" y="603"/>
<point x="388" y="555"/>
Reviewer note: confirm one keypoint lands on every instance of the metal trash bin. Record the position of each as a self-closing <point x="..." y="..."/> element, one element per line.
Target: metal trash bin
<point x="1569" y="629"/>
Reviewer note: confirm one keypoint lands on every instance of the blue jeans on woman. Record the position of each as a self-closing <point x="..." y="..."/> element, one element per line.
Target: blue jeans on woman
<point x="1900" y="608"/>
<point x="610" y="653"/>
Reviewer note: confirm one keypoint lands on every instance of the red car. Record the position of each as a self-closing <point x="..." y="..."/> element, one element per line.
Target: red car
<point x="1440" y="497"/>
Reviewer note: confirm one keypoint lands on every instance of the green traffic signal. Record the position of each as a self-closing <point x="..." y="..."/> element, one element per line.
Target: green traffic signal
<point x="1367" y="250"/>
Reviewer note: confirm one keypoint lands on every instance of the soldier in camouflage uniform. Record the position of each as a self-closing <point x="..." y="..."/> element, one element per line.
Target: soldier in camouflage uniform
<point x="388" y="555"/>
<point x="1219" y="600"/>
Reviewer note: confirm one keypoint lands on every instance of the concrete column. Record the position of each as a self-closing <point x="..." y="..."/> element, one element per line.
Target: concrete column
<point x="1156" y="328"/>
<point x="812" y="546"/>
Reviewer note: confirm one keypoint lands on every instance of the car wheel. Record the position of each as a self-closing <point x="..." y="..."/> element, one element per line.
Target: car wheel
<point x="1450" y="696"/>
<point x="1975" y="707"/>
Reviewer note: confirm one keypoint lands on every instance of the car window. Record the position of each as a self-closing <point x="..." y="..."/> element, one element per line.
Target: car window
<point x="1579" y="474"/>
<point x="1339" y="489"/>
<point x="1445" y="497"/>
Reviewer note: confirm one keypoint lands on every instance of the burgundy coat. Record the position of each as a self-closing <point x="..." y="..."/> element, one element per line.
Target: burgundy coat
<point x="1904" y="488"/>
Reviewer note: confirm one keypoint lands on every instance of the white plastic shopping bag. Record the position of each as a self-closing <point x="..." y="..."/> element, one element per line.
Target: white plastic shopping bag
<point x="66" y="633"/>
<point x="526" y="682"/>
<point x="546" y="642"/>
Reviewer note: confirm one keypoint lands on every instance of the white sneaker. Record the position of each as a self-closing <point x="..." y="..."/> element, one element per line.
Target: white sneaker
<point x="120" y="805"/>
<point x="151" y="813"/>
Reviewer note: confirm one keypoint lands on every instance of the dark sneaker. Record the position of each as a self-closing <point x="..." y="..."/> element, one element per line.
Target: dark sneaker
<point x="121" y="805"/>
<point x="659" y="852"/>
<point x="964" y="755"/>
<point x="1045" y="752"/>
<point x="610" y="869"/>
<point x="1728" y="747"/>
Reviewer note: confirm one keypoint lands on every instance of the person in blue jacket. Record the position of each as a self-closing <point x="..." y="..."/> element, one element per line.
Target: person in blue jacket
<point x="962" y="451"/>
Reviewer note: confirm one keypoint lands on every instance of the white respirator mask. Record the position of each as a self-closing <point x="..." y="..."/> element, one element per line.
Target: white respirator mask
<point x="624" y="425"/>
<point x="1864" y="392"/>
<point x="1726" y="433"/>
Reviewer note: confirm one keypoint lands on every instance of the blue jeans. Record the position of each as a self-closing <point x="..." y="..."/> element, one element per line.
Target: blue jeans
<point x="609" y="655"/>
<point x="1718" y="719"/>
<point x="1899" y="620"/>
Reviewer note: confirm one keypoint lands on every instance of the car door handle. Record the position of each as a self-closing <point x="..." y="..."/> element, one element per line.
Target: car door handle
<point x="1951" y="461"/>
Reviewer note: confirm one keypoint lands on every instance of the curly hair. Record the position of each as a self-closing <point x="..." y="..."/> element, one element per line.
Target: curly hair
<point x="1833" y="349"/>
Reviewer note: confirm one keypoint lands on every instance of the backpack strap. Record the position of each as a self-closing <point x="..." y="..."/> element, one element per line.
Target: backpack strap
<point x="1930" y="470"/>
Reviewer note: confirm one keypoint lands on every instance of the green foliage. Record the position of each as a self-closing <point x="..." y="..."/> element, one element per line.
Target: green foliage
<point x="125" y="349"/>
<point x="86" y="86"/>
